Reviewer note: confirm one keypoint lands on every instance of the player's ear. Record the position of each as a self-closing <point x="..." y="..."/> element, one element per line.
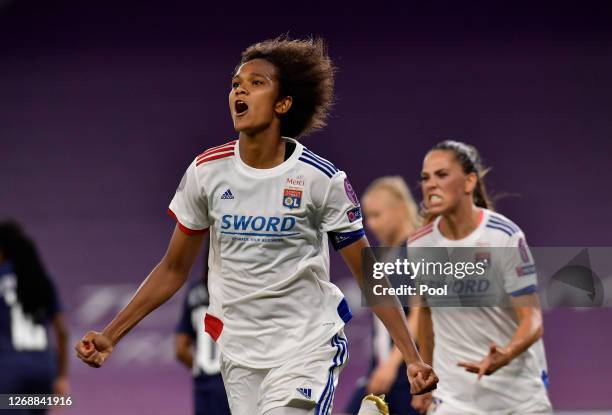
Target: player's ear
<point x="283" y="105"/>
<point x="470" y="182"/>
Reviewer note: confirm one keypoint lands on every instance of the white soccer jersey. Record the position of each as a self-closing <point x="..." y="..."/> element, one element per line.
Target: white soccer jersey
<point x="271" y="296"/>
<point x="465" y="334"/>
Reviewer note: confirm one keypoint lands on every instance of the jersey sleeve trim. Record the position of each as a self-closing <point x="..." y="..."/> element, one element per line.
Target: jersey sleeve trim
<point x="341" y="240"/>
<point x="530" y="289"/>
<point x="213" y="326"/>
<point x="344" y="311"/>
<point x="185" y="229"/>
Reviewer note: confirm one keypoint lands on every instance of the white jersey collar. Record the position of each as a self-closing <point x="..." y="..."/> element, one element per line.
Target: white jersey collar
<point x="469" y="240"/>
<point x="274" y="171"/>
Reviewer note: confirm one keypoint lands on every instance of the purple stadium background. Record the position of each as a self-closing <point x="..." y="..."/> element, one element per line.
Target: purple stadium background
<point x="101" y="110"/>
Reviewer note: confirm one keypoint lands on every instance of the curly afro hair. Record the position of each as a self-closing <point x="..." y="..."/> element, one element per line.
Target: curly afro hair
<point x="306" y="73"/>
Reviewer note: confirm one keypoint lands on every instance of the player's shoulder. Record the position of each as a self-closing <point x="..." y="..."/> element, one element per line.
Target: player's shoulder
<point x="214" y="155"/>
<point x="316" y="164"/>
<point x="422" y="236"/>
<point x="500" y="225"/>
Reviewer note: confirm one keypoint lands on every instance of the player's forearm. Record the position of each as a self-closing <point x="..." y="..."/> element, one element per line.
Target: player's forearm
<point x="388" y="309"/>
<point x="425" y="335"/>
<point x="183" y="346"/>
<point x="530" y="330"/>
<point x="156" y="289"/>
<point x="61" y="338"/>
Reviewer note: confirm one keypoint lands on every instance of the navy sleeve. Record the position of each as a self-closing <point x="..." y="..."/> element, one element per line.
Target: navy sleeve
<point x="184" y="325"/>
<point x="56" y="304"/>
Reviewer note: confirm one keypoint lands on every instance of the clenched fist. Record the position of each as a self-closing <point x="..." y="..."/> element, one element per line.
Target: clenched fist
<point x="94" y="348"/>
<point x="422" y="378"/>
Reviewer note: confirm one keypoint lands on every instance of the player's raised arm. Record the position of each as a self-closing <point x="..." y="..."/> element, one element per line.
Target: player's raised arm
<point x="165" y="279"/>
<point x="189" y="208"/>
<point x="421" y="376"/>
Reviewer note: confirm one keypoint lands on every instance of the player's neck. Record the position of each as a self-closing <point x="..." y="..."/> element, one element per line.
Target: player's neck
<point x="461" y="222"/>
<point x="262" y="150"/>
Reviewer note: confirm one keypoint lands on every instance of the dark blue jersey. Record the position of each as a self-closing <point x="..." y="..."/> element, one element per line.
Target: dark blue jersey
<point x="18" y="331"/>
<point x="27" y="361"/>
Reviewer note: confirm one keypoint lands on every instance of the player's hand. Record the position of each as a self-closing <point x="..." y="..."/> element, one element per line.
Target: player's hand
<point x="421" y="402"/>
<point x="94" y="348"/>
<point x="382" y="379"/>
<point x="422" y="378"/>
<point x="498" y="357"/>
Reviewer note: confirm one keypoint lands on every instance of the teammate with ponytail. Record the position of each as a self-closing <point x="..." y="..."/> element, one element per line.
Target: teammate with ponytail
<point x="490" y="359"/>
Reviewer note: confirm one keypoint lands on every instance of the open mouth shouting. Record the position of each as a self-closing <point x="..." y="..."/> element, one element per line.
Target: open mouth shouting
<point x="240" y="108"/>
<point x="434" y="200"/>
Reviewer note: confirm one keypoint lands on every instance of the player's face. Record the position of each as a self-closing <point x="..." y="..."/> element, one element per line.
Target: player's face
<point x="383" y="214"/>
<point x="443" y="182"/>
<point x="254" y="97"/>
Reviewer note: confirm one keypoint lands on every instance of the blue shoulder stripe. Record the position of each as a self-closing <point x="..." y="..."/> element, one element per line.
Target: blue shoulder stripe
<point x="318" y="160"/>
<point x="501" y="221"/>
<point x="317" y="166"/>
<point x="501" y="225"/>
<point x="321" y="159"/>
<point x="500" y="228"/>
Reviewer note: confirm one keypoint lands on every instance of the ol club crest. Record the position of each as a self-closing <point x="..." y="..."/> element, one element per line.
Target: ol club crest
<point x="292" y="198"/>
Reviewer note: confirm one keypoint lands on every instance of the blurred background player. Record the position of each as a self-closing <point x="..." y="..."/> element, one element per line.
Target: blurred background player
<point x="391" y="213"/>
<point x="489" y="359"/>
<point x="29" y="306"/>
<point x="196" y="350"/>
<point x="271" y="206"/>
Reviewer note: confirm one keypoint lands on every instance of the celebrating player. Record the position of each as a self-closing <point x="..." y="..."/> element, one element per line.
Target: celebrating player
<point x="269" y="205"/>
<point x="490" y="359"/>
<point x="392" y="215"/>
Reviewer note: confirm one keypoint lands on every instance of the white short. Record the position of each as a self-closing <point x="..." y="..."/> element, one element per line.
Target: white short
<point x="440" y="407"/>
<point x="305" y="381"/>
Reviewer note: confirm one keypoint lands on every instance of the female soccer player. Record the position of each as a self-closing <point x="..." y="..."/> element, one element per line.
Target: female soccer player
<point x="491" y="359"/>
<point x="269" y="205"/>
<point x="391" y="213"/>
<point x="29" y="305"/>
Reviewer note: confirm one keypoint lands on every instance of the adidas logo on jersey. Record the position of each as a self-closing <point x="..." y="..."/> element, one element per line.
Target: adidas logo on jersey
<point x="307" y="392"/>
<point x="227" y="194"/>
